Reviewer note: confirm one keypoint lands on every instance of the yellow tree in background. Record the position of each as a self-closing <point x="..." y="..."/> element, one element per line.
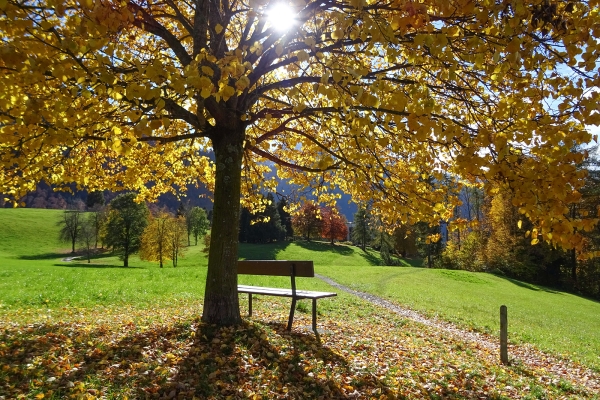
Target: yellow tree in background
<point x="178" y="237"/>
<point x="378" y="98"/>
<point x="157" y="242"/>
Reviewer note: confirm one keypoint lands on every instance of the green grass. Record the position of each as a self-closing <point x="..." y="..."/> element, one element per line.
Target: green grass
<point x="554" y="321"/>
<point x="32" y="276"/>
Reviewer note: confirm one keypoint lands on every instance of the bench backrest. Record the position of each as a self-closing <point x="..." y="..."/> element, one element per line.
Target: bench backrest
<point x="276" y="268"/>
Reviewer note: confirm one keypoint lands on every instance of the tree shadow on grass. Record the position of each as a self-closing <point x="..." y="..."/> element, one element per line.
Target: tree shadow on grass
<point x="326" y="247"/>
<point x="265" y="251"/>
<point x="93" y="265"/>
<point x="530" y="286"/>
<point x="183" y="360"/>
<point x="245" y="361"/>
<point x="45" y="256"/>
<point x="370" y="257"/>
<point x="72" y="360"/>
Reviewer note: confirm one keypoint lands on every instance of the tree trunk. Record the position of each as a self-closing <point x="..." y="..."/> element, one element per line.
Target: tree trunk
<point x="126" y="259"/>
<point x="221" y="305"/>
<point x="73" y="245"/>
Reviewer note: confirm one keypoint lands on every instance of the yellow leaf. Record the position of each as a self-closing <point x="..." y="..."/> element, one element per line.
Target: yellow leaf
<point x="519" y="224"/>
<point x="218" y="28"/>
<point x="39" y="396"/>
<point x="310" y="41"/>
<point x="337" y="34"/>
<point x="302" y="55"/>
<point x="535" y="241"/>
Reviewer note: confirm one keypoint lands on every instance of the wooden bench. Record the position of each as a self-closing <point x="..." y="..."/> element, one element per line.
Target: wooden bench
<point x="282" y="268"/>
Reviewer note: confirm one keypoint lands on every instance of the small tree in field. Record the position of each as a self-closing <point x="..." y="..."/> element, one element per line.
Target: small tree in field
<point x="98" y="217"/>
<point x="198" y="222"/>
<point x="126" y="223"/>
<point x="334" y="225"/>
<point x="70" y="225"/>
<point x="87" y="235"/>
<point x="307" y="221"/>
<point x="177" y="235"/>
<point x="156" y="239"/>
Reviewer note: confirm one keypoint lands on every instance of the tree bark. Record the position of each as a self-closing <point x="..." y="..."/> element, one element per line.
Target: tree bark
<point x="221" y="304"/>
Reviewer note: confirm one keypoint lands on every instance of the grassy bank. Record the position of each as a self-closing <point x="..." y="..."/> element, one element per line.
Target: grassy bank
<point x="33" y="277"/>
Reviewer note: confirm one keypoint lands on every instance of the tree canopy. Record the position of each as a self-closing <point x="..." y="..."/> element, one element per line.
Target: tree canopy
<point x="375" y="97"/>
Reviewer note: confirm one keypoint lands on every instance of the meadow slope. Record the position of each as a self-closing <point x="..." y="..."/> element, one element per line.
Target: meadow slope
<point x="100" y="330"/>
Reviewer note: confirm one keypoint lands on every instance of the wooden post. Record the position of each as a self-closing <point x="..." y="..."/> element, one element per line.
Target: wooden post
<point x="503" y="335"/>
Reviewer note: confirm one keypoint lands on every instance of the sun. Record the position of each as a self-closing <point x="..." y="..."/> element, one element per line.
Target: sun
<point x="281" y="16"/>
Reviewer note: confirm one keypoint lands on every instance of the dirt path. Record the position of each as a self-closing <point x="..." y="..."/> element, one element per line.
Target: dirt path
<point x="518" y="354"/>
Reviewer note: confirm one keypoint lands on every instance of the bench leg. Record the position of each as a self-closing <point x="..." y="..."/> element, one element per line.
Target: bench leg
<point x="314" y="315"/>
<point x="292" y="310"/>
<point x="250" y="304"/>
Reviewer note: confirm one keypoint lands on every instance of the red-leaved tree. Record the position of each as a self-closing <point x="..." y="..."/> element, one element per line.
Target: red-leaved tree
<point x="307" y="221"/>
<point x="334" y="224"/>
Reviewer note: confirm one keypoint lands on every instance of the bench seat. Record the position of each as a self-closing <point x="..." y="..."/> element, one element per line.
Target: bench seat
<point x="282" y="268"/>
<point x="269" y="291"/>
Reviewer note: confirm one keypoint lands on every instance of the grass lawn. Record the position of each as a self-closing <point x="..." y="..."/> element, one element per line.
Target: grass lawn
<point x="101" y="330"/>
<point x="32" y="273"/>
<point x="555" y="321"/>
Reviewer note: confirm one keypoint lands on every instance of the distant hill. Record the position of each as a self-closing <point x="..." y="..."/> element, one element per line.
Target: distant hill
<point x="45" y="197"/>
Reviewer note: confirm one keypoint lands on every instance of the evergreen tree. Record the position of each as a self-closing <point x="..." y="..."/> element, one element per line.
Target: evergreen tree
<point x="285" y="217"/>
<point x="264" y="226"/>
<point x="182" y="209"/>
<point x="95" y="198"/>
<point x="245" y="220"/>
<point x="126" y="223"/>
<point x="430" y="250"/>
<point x="362" y="232"/>
<point x="272" y="228"/>
<point x="405" y="241"/>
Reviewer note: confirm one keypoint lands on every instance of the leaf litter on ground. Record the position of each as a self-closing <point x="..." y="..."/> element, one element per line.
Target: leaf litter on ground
<point x="363" y="352"/>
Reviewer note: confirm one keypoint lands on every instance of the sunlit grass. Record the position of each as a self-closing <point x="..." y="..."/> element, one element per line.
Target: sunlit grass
<point x="34" y="277"/>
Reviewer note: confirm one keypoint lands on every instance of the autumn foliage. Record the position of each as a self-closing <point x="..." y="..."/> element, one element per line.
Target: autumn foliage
<point x="164" y="238"/>
<point x="376" y="98"/>
<point x="333" y="225"/>
<point x="308" y="221"/>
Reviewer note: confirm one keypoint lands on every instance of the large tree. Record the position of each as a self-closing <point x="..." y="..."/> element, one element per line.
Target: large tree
<point x="368" y="96"/>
